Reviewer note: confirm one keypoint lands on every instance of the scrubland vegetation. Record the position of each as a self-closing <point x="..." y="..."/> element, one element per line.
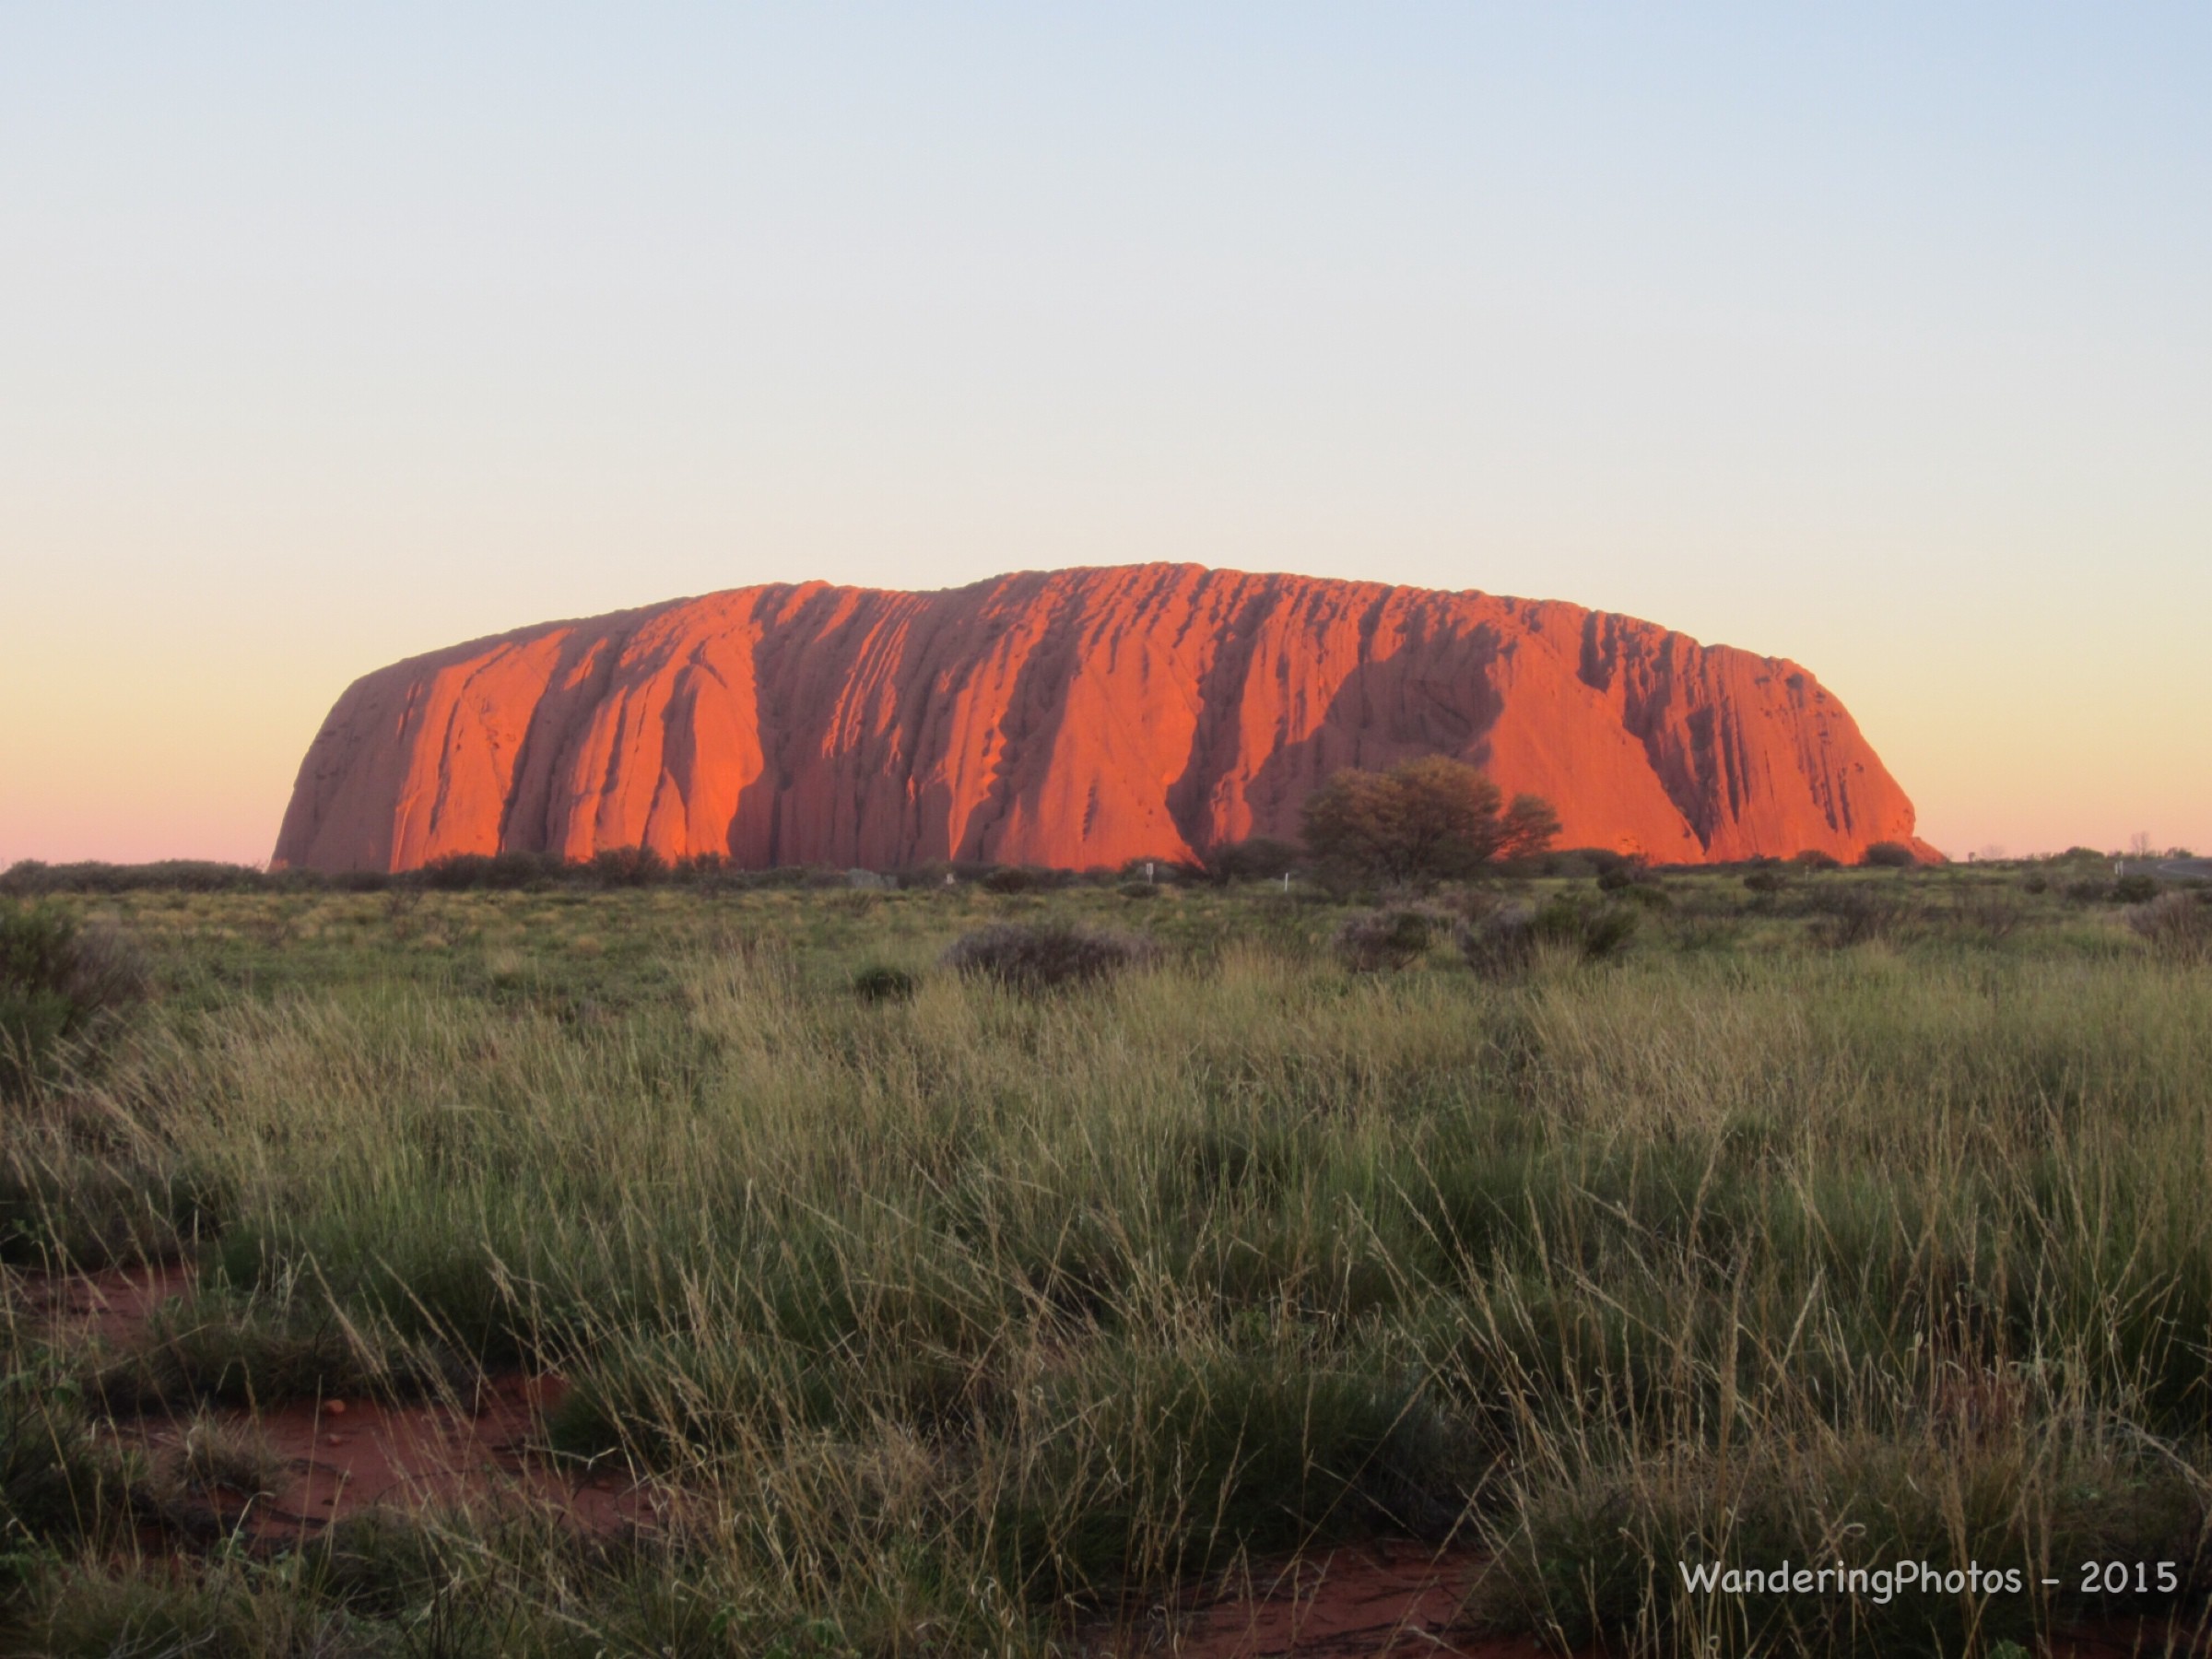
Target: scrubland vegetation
<point x="968" y="1297"/>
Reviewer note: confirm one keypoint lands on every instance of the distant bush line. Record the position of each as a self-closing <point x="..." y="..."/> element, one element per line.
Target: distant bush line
<point x="1262" y="859"/>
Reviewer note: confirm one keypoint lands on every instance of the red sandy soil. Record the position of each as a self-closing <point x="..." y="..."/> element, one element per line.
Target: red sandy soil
<point x="1070" y="718"/>
<point x="347" y="1456"/>
<point x="113" y="1304"/>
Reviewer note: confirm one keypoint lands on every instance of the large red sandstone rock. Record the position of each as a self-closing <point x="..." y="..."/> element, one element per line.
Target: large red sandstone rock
<point x="1074" y="718"/>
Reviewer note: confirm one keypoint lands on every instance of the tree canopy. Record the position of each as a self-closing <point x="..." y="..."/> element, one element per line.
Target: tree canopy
<point x="1423" y="821"/>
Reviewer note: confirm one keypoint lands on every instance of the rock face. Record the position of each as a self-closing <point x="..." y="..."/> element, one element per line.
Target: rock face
<point x="1072" y="718"/>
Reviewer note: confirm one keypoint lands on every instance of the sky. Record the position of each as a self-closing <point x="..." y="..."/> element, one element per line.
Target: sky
<point x="1873" y="337"/>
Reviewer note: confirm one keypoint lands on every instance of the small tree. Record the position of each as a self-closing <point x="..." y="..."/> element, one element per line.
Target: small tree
<point x="1423" y="821"/>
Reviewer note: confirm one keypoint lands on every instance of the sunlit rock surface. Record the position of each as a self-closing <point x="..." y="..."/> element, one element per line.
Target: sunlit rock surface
<point x="1071" y="718"/>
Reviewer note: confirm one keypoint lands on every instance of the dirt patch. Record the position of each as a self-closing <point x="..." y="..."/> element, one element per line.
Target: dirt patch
<point x="113" y="1304"/>
<point x="327" y="1460"/>
<point x="344" y="1457"/>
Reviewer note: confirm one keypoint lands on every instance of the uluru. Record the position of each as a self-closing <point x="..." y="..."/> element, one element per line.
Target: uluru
<point x="1074" y="719"/>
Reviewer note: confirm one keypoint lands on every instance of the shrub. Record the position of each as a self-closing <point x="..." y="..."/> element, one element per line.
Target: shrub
<point x="1628" y="872"/>
<point x="31" y="880"/>
<point x="1599" y="932"/>
<point x="628" y="866"/>
<point x="1139" y="890"/>
<point x="1764" y="881"/>
<point x="1509" y="938"/>
<point x="2037" y="882"/>
<point x="2135" y="889"/>
<point x="1888" y="855"/>
<point x="60" y="984"/>
<point x="1011" y="879"/>
<point x="1046" y="956"/>
<point x="460" y="872"/>
<point x="1856" y="915"/>
<point x="1386" y="940"/>
<point x="1993" y="913"/>
<point x="1812" y="858"/>
<point x="1502" y="942"/>
<point x="878" y="983"/>
<point x="1261" y="858"/>
<point x="454" y="873"/>
<point x="2177" y="927"/>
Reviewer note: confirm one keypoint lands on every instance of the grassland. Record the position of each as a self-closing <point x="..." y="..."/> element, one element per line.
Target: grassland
<point x="1860" y="1220"/>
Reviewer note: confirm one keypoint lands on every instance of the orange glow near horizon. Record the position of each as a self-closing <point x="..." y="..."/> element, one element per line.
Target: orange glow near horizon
<point x="190" y="757"/>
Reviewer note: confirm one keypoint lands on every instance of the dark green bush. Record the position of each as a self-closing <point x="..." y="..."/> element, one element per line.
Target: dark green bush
<point x="464" y="871"/>
<point x="1046" y="956"/>
<point x="2136" y="890"/>
<point x="1764" y="881"/>
<point x="1988" y="913"/>
<point x="1012" y="879"/>
<point x="1599" y="932"/>
<point x="1261" y="858"/>
<point x="878" y="983"/>
<point x="32" y="879"/>
<point x="1812" y="858"/>
<point x="1508" y="938"/>
<point x="1856" y="915"/>
<point x="1386" y="940"/>
<point x="628" y="866"/>
<point x="1888" y="855"/>
<point x="61" y="985"/>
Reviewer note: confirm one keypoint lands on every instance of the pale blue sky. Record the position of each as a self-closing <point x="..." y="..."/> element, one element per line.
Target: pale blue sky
<point x="1873" y="338"/>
